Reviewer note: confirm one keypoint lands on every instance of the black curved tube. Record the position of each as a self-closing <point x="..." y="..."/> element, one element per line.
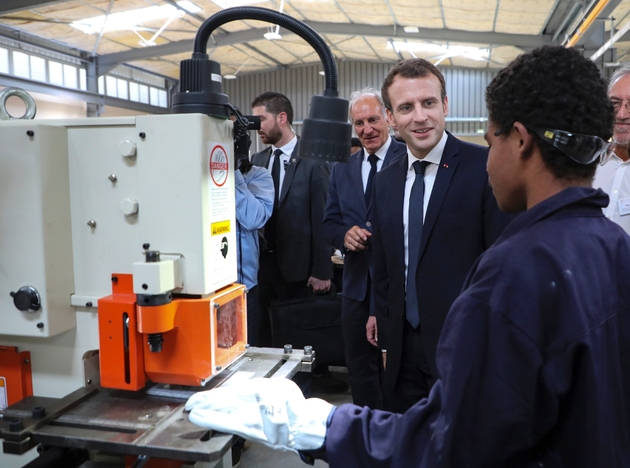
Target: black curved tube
<point x="264" y="14"/>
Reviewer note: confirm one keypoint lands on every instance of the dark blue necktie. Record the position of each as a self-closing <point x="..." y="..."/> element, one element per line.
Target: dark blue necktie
<point x="416" y="208"/>
<point x="270" y="227"/>
<point x="372" y="159"/>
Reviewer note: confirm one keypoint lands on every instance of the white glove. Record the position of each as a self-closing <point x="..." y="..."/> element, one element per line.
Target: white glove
<point x="270" y="411"/>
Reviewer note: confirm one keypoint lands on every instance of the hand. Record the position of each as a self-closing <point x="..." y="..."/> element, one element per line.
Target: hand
<point x="319" y="286"/>
<point x="372" y="331"/>
<point x="356" y="238"/>
<point x="270" y="411"/>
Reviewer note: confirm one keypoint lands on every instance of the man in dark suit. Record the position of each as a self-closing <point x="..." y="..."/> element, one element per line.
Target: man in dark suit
<point x="433" y="214"/>
<point x="346" y="226"/>
<point x="295" y="254"/>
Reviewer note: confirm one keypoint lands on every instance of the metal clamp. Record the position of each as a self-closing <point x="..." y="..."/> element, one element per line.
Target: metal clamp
<point x="31" y="108"/>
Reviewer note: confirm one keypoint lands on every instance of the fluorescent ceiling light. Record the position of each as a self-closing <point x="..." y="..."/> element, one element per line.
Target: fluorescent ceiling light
<point x="130" y="19"/>
<point x="235" y="3"/>
<point x="229" y="77"/>
<point x="442" y="51"/>
<point x="411" y="29"/>
<point x="272" y="36"/>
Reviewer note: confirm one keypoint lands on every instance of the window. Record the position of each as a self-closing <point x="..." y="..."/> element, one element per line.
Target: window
<point x="55" y="70"/>
<point x="21" y="64"/>
<point x="134" y="92"/>
<point x="144" y="94"/>
<point x="4" y="60"/>
<point x="38" y="68"/>
<point x="70" y="76"/>
<point x="111" y="86"/>
<point x="122" y="89"/>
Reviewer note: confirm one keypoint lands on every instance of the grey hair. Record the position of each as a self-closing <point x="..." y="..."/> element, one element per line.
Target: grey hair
<point x="367" y="92"/>
<point x="620" y="73"/>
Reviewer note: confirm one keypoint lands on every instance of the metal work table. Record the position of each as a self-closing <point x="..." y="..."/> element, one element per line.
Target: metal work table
<point x="150" y="423"/>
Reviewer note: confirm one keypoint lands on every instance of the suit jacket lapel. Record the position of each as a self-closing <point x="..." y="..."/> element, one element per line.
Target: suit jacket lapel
<point x="356" y="177"/>
<point x="289" y="172"/>
<point x="447" y="167"/>
<point x="266" y="156"/>
<point x="395" y="207"/>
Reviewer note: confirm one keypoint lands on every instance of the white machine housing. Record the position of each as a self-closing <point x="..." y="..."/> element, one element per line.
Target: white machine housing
<point x="81" y="199"/>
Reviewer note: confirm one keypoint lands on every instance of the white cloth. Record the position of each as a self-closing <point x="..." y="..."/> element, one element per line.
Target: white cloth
<point x="434" y="157"/>
<point x="366" y="166"/>
<point x="287" y="151"/>
<point x="614" y="179"/>
<point x="270" y="411"/>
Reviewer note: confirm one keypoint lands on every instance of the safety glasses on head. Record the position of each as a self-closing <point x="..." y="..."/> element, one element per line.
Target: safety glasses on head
<point x="583" y="149"/>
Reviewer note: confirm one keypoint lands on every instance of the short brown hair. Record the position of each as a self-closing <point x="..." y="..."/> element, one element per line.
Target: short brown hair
<point x="411" y="68"/>
<point x="275" y="103"/>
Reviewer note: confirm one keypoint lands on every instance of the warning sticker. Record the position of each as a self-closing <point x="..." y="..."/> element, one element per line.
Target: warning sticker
<point x="222" y="227"/>
<point x="219" y="165"/>
<point x="3" y="393"/>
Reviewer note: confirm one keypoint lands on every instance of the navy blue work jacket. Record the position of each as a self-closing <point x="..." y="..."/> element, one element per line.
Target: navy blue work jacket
<point x="534" y="356"/>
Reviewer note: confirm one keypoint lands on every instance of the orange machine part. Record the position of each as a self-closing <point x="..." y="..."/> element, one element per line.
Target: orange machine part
<point x="16" y="378"/>
<point x="154" y="462"/>
<point x="157" y="319"/>
<point x="121" y="350"/>
<point x="192" y="351"/>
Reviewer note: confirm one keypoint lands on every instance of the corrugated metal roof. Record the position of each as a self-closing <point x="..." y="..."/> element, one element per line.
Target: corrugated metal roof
<point x="354" y="29"/>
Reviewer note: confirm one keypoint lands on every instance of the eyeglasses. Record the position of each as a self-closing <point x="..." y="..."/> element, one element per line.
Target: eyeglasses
<point x="617" y="103"/>
<point x="583" y="149"/>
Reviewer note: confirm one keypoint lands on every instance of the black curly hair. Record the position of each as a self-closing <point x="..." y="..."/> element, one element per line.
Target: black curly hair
<point x="553" y="88"/>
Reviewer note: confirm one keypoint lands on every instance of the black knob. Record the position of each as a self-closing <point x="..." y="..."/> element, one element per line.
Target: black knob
<point x="39" y="412"/>
<point x="152" y="256"/>
<point x="16" y="425"/>
<point x="26" y="298"/>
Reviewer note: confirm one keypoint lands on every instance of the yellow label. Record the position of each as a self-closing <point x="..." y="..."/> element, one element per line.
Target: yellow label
<point x="222" y="227"/>
<point x="548" y="134"/>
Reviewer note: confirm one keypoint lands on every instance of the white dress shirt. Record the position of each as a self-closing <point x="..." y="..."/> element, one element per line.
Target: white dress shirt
<point x="614" y="179"/>
<point x="287" y="151"/>
<point x="365" y="165"/>
<point x="434" y="157"/>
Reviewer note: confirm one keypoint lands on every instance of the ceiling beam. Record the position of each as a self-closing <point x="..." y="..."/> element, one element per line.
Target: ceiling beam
<point x="79" y="95"/>
<point x="523" y="41"/>
<point x="11" y="6"/>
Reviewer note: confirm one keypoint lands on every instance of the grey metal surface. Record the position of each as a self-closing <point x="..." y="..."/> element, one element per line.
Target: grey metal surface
<point x="137" y="423"/>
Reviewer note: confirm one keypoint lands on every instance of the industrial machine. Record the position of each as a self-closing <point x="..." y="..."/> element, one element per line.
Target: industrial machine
<point x="118" y="266"/>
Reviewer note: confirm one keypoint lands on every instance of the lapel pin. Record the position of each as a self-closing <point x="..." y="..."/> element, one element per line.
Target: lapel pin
<point x="293" y="160"/>
<point x="445" y="166"/>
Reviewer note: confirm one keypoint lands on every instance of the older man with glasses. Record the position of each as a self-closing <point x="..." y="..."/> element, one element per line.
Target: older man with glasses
<point x="613" y="176"/>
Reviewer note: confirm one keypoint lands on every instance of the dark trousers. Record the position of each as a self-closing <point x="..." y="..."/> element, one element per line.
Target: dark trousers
<point x="362" y="359"/>
<point x="414" y="378"/>
<point x="272" y="286"/>
<point x="254" y="318"/>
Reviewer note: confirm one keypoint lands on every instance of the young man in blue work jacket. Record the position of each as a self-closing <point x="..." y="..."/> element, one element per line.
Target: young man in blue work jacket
<point x="534" y="357"/>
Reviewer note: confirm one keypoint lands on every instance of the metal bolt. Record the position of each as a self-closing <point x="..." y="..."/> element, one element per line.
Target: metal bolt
<point x="218" y="368"/>
<point x="89" y="381"/>
<point x="308" y="350"/>
<point x="216" y="306"/>
<point x="30" y="133"/>
<point x="247" y="346"/>
<point x="113" y="177"/>
<point x="288" y="349"/>
<point x="142" y="135"/>
<point x="27" y="361"/>
<point x="88" y="304"/>
<point x="114" y="279"/>
<point x="40" y="325"/>
<point x="145" y="286"/>
<point x="146" y="246"/>
<point x="91" y="223"/>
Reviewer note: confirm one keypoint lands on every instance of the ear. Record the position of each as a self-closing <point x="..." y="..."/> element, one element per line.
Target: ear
<point x="445" y="106"/>
<point x="281" y="118"/>
<point x="525" y="140"/>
